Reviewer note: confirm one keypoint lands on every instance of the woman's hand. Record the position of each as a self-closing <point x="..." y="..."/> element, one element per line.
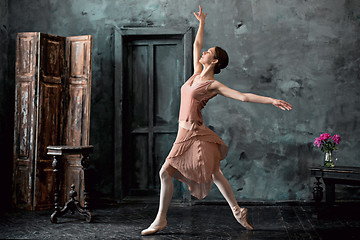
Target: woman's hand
<point x="282" y="104"/>
<point x="200" y="15"/>
<point x="199" y="40"/>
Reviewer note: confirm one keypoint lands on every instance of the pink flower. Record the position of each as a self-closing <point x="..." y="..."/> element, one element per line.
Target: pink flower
<point x="324" y="136"/>
<point x="317" y="142"/>
<point x="326" y="142"/>
<point x="336" y="139"/>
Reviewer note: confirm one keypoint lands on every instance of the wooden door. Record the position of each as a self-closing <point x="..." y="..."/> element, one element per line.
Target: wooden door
<point x="153" y="77"/>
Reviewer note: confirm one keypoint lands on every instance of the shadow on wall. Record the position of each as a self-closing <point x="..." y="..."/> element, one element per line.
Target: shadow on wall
<point x="6" y="110"/>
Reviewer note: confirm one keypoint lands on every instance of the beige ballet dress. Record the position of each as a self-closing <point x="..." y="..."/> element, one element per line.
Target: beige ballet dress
<point x="197" y="151"/>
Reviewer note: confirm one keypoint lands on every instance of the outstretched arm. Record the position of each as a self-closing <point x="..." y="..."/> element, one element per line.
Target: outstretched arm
<point x="219" y="88"/>
<point x="199" y="39"/>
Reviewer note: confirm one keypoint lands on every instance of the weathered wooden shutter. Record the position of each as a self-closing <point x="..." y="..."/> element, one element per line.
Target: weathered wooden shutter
<point x="26" y="79"/>
<point x="52" y="108"/>
<point x="77" y="125"/>
<point x="50" y="114"/>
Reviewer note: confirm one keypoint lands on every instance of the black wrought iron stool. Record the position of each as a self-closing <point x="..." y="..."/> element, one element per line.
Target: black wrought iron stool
<point x="57" y="152"/>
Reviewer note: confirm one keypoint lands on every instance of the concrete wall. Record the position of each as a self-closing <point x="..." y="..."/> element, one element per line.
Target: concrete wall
<point x="6" y="108"/>
<point x="305" y="52"/>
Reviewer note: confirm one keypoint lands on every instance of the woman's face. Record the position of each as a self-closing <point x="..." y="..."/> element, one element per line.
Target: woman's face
<point x="208" y="56"/>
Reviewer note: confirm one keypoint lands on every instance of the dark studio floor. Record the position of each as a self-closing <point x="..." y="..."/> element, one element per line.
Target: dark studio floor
<point x="125" y="221"/>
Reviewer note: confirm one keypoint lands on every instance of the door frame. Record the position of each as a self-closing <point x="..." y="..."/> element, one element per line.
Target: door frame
<point x="186" y="35"/>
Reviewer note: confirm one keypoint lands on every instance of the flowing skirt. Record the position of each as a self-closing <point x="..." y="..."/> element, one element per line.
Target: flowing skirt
<point x="194" y="157"/>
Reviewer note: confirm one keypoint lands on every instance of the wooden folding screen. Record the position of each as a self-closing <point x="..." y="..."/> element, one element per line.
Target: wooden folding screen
<point x="52" y="107"/>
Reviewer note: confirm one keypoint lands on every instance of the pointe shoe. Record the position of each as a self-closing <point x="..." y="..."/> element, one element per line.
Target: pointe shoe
<point x="240" y="215"/>
<point x="152" y="230"/>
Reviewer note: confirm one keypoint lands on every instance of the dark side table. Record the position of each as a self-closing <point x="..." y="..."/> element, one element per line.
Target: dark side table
<point x="331" y="176"/>
<point x="57" y="152"/>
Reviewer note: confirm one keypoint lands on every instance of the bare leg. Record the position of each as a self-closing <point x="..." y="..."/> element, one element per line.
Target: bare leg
<point x="166" y="192"/>
<point x="225" y="189"/>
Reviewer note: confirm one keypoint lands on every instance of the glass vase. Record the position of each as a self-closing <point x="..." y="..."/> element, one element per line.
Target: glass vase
<point x="328" y="162"/>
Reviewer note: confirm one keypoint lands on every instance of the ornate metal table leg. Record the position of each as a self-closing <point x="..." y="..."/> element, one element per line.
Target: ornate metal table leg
<point x="317" y="190"/>
<point x="56" y="212"/>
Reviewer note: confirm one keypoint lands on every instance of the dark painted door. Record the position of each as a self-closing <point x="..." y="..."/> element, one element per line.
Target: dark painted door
<point x="153" y="75"/>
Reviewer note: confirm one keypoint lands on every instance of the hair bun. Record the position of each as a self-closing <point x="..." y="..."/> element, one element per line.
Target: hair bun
<point x="223" y="59"/>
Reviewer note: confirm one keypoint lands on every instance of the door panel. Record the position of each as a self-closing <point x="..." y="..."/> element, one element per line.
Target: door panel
<point x="78" y="92"/>
<point x="150" y="110"/>
<point x="51" y="93"/>
<point x="25" y="118"/>
<point x="140" y="179"/>
<point x="138" y="87"/>
<point x="167" y="85"/>
<point x="77" y="107"/>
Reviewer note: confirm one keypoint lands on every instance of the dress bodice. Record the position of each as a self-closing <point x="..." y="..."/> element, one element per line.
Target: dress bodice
<point x="194" y="97"/>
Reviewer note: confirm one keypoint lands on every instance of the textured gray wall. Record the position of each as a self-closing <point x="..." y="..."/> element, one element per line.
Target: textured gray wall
<point x="6" y="108"/>
<point x="305" y="52"/>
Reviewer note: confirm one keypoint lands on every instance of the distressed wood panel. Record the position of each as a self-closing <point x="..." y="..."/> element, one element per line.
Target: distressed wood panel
<point x="78" y="55"/>
<point x="50" y="110"/>
<point x="79" y="60"/>
<point x="75" y="116"/>
<point x="23" y="196"/>
<point x="26" y="54"/>
<point x="25" y="118"/>
<point x="44" y="191"/>
<point x="24" y="121"/>
<point x="52" y="59"/>
<point x="50" y="119"/>
<point x="44" y="101"/>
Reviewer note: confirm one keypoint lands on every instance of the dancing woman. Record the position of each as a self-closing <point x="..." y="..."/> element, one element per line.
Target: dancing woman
<point x="196" y="154"/>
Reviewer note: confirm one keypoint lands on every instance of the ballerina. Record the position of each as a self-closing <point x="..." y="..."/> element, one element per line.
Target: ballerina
<point x="197" y="151"/>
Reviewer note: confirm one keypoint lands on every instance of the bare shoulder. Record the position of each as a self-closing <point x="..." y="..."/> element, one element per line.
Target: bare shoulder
<point x="215" y="85"/>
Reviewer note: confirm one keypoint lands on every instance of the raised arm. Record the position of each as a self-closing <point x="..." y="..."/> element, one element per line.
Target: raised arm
<point x="199" y="39"/>
<point x="219" y="88"/>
